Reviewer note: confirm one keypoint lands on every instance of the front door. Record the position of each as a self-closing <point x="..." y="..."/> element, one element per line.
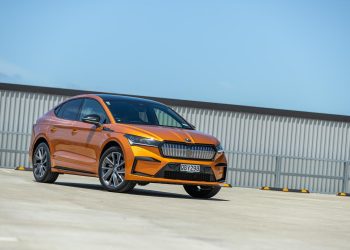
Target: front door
<point x="87" y="139"/>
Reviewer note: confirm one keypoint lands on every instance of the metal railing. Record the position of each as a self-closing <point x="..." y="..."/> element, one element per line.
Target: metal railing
<point x="246" y="169"/>
<point x="316" y="174"/>
<point x="14" y="148"/>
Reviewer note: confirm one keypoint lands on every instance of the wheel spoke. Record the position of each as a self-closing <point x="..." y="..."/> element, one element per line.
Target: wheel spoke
<point x="107" y="167"/>
<point x="37" y="156"/>
<point x="109" y="161"/>
<point x="110" y="181"/>
<point x="44" y="159"/>
<point x="120" y="177"/>
<point x="118" y="159"/>
<point x="113" y="159"/>
<point x="40" y="171"/>
<point x="39" y="153"/>
<point x="115" y="180"/>
<point x="36" y="170"/>
<point x="42" y="153"/>
<point x="107" y="173"/>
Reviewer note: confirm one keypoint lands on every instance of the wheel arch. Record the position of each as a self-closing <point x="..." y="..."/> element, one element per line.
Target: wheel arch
<point x="39" y="140"/>
<point x="111" y="143"/>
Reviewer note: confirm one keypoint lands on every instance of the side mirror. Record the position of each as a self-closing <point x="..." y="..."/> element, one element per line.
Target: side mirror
<point x="92" y="119"/>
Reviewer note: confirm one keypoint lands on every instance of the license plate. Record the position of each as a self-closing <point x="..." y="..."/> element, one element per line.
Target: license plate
<point x="190" y="168"/>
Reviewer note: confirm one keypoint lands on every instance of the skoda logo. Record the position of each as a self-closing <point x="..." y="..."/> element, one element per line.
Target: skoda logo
<point x="187" y="140"/>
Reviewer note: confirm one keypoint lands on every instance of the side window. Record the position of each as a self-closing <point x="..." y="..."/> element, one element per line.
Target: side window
<point x="164" y="119"/>
<point x="90" y="107"/>
<point x="69" y="110"/>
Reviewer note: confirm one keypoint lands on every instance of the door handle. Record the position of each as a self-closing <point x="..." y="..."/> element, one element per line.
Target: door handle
<point x="74" y="131"/>
<point x="53" y="129"/>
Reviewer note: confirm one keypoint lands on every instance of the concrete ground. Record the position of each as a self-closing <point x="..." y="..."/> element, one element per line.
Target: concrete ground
<point x="75" y="213"/>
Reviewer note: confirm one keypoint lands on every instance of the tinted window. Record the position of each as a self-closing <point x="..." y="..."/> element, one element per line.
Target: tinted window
<point x="165" y="119"/>
<point x="134" y="112"/>
<point x="70" y="110"/>
<point x="125" y="112"/>
<point x="93" y="107"/>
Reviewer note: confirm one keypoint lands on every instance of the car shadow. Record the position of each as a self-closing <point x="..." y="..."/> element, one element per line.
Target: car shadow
<point x="135" y="191"/>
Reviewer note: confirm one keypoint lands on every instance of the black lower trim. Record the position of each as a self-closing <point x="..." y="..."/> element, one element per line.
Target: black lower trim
<point x="142" y="174"/>
<point x="73" y="170"/>
<point x="141" y="158"/>
<point x="223" y="178"/>
<point x="172" y="171"/>
<point x="221" y="165"/>
<point x="145" y="158"/>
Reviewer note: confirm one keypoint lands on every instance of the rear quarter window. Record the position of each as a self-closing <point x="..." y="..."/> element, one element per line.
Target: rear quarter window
<point x="69" y="110"/>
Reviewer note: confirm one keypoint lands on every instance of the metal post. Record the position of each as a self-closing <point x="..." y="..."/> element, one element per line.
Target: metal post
<point x="232" y="172"/>
<point x="345" y="186"/>
<point x="278" y="171"/>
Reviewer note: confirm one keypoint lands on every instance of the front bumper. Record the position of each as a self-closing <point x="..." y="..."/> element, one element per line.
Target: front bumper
<point x="148" y="165"/>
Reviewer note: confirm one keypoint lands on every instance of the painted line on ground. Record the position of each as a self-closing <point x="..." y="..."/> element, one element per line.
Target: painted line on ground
<point x="8" y="239"/>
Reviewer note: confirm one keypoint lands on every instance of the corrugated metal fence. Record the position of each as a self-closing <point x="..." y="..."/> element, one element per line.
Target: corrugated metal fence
<point x="263" y="150"/>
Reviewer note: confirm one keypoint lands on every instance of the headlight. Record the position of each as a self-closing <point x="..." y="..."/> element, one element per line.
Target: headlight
<point x="219" y="148"/>
<point x="138" y="140"/>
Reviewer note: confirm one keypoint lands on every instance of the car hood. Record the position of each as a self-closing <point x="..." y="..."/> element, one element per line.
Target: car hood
<point x="162" y="133"/>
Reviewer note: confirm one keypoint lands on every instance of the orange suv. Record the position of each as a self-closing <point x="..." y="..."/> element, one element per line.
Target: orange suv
<point x="126" y="141"/>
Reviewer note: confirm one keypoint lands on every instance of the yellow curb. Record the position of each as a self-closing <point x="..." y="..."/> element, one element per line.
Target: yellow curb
<point x="23" y="168"/>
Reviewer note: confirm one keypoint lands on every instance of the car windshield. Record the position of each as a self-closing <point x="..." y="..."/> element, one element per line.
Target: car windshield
<point x="144" y="113"/>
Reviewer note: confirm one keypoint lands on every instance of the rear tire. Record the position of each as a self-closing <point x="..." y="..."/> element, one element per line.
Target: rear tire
<point x="111" y="171"/>
<point x="203" y="192"/>
<point x="42" y="164"/>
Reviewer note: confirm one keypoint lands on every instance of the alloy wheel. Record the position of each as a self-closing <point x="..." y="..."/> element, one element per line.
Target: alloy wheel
<point x="40" y="162"/>
<point x="113" y="170"/>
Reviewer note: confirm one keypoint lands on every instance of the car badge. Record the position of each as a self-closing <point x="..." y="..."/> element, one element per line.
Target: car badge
<point x="187" y="140"/>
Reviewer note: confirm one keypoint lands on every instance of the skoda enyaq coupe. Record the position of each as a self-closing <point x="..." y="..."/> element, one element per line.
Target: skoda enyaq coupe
<point x="126" y="141"/>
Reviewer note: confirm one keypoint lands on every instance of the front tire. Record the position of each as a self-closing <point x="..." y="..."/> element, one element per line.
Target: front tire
<point x="42" y="164"/>
<point x="111" y="171"/>
<point x="203" y="192"/>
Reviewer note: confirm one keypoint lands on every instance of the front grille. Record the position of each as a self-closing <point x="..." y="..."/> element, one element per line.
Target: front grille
<point x="188" y="151"/>
<point x="187" y="176"/>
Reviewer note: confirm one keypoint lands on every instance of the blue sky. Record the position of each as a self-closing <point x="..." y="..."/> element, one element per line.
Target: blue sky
<point x="279" y="54"/>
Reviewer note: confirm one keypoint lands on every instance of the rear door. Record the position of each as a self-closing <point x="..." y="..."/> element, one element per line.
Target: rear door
<point x="60" y="133"/>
